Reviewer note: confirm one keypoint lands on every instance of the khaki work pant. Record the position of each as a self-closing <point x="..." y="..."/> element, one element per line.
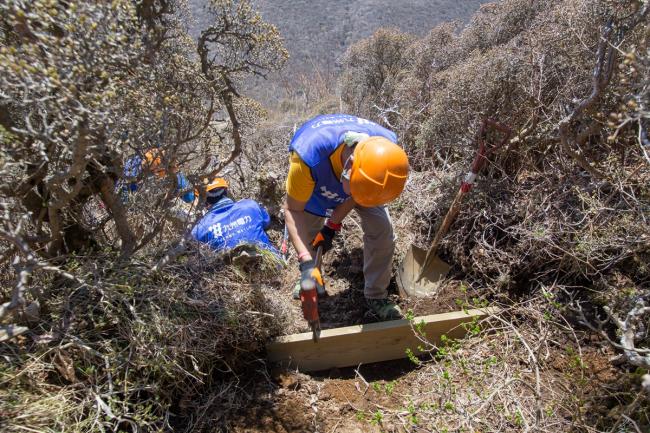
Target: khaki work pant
<point x="378" y="247"/>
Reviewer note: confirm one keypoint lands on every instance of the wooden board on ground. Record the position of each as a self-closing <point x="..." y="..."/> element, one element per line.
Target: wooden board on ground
<point x="374" y="342"/>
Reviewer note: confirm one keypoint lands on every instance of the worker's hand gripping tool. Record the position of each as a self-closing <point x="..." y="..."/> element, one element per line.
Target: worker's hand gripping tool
<point x="309" y="288"/>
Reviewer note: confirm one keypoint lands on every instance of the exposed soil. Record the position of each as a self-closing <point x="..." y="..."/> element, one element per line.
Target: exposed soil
<point x="345" y="304"/>
<point x="344" y="400"/>
<point x="337" y="400"/>
<point x="274" y="416"/>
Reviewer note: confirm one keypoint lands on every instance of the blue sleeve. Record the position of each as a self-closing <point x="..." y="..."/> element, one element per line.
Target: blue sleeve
<point x="183" y="186"/>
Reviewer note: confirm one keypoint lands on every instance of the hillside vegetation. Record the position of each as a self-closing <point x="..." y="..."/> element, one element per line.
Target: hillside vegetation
<point x="317" y="33"/>
<point x="113" y="320"/>
<point x="564" y="206"/>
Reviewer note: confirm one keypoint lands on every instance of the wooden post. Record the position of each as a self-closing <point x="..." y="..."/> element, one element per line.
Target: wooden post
<point x="374" y="342"/>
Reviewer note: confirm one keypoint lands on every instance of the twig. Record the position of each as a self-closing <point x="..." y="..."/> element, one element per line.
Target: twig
<point x="360" y="376"/>
<point x="630" y="408"/>
<point x="600" y="79"/>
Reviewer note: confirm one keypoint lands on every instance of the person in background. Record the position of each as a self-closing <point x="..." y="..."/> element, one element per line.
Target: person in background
<point x="227" y="224"/>
<point x="152" y="162"/>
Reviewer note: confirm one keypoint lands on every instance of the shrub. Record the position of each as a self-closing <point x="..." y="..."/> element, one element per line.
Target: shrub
<point x="565" y="204"/>
<point x="100" y="340"/>
<point x="133" y="349"/>
<point x="86" y="86"/>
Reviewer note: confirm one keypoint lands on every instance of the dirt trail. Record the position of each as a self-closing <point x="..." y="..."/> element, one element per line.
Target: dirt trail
<point x="340" y="400"/>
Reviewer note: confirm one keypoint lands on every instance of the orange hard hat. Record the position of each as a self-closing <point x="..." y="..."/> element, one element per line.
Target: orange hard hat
<point x="217" y="182"/>
<point x="379" y="171"/>
<point x="153" y="161"/>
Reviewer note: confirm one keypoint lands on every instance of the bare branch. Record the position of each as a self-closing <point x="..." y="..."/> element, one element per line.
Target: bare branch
<point x="601" y="76"/>
<point x="118" y="212"/>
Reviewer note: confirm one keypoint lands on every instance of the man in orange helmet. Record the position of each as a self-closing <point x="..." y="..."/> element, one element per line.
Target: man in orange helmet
<point x="338" y="163"/>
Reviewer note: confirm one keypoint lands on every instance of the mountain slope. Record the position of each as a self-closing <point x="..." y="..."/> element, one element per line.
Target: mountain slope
<point x="317" y="33"/>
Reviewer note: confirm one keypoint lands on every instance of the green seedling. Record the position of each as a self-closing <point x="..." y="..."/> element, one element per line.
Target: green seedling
<point x="377" y="417"/>
<point x="413" y="418"/>
<point x="411" y="356"/>
<point x="419" y="327"/>
<point x="519" y="418"/>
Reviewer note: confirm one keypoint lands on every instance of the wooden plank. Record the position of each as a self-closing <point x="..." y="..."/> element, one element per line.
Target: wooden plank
<point x="374" y="342"/>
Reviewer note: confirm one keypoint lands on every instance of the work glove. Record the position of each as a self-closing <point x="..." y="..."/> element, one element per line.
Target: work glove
<point x="351" y="138"/>
<point x="325" y="236"/>
<point x="310" y="277"/>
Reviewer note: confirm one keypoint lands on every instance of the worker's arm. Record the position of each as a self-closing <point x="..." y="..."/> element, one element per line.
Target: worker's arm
<point x="294" y="217"/>
<point x="341" y="211"/>
<point x="325" y="237"/>
<point x="300" y="186"/>
<point x="294" y="214"/>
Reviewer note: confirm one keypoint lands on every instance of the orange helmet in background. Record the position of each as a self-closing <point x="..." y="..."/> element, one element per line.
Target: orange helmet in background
<point x="216" y="189"/>
<point x="153" y="161"/>
<point x="217" y="182"/>
<point x="379" y="171"/>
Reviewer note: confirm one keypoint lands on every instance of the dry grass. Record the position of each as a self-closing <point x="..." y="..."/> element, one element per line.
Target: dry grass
<point x="140" y="350"/>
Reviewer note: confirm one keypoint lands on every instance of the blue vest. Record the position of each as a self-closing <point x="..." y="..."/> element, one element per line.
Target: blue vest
<point x="228" y="224"/>
<point x="315" y="141"/>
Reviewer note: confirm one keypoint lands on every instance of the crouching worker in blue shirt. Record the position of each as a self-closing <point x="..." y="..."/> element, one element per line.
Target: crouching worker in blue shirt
<point x="228" y="225"/>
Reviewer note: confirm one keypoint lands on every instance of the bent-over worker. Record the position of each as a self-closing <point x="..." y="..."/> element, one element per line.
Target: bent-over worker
<point x="228" y="224"/>
<point x="338" y="163"/>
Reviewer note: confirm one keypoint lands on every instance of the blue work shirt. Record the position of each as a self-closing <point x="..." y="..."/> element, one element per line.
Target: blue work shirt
<point x="315" y="141"/>
<point x="133" y="168"/>
<point x="228" y="224"/>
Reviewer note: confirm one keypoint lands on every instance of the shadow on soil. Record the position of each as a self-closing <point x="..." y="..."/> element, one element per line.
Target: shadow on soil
<point x="376" y="371"/>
